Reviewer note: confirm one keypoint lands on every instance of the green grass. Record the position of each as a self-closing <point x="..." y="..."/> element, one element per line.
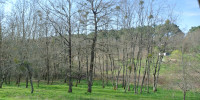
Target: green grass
<point x="60" y="92"/>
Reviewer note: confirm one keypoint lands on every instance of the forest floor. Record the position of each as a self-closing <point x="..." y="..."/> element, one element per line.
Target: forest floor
<point x="58" y="91"/>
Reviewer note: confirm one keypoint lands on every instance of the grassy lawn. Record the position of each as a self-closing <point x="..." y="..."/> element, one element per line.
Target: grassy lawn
<point x="59" y="92"/>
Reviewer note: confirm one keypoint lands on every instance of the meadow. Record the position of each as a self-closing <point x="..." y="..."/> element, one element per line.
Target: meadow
<point x="59" y="91"/>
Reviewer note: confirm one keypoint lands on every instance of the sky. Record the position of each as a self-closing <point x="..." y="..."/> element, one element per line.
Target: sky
<point x="187" y="10"/>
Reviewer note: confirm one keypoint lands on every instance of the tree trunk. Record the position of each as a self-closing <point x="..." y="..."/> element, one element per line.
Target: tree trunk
<point x="184" y="95"/>
<point x="5" y="77"/>
<point x="79" y="67"/>
<point x="148" y="74"/>
<point x="47" y="54"/>
<point x="26" y="81"/>
<point x="19" y="80"/>
<point x="1" y="82"/>
<point x="126" y="78"/>
<point x="9" y="78"/>
<point x="92" y="54"/>
<point x="106" y="70"/>
<point x="128" y="86"/>
<point x="123" y="80"/>
<point x="103" y="85"/>
<point x="1" y="69"/>
<point x="154" y="75"/>
<point x="135" y="77"/>
<point x="30" y="77"/>
<point x="100" y="68"/>
<point x="159" y="64"/>
<point x="70" y="49"/>
<point x="80" y="72"/>
<point x="112" y="69"/>
<point x="87" y="65"/>
<point x="47" y="64"/>
<point x="138" y="81"/>
<point x="38" y="82"/>
<point x="118" y="71"/>
<point x="1" y="77"/>
<point x="143" y="78"/>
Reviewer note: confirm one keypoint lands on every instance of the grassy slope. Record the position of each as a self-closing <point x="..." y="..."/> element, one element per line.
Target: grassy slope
<point x="59" y="92"/>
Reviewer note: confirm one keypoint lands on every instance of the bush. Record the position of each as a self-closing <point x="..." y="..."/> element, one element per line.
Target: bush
<point x="176" y="54"/>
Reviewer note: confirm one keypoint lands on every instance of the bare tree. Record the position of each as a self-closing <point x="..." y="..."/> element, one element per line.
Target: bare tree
<point x="99" y="10"/>
<point x="63" y="13"/>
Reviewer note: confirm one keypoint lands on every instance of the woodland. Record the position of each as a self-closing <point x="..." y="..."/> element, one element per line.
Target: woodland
<point x="97" y="50"/>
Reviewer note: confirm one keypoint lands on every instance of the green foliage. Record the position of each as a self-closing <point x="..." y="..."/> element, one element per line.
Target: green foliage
<point x="22" y="68"/>
<point x="150" y="16"/>
<point x="149" y="55"/>
<point x="168" y="29"/>
<point x="130" y="68"/>
<point x="79" y="11"/>
<point x="156" y="49"/>
<point x="194" y="29"/>
<point x="117" y="7"/>
<point x="167" y="22"/>
<point x="26" y="63"/>
<point x="141" y="2"/>
<point x="126" y="17"/>
<point x="198" y="56"/>
<point x="16" y="60"/>
<point x="176" y="54"/>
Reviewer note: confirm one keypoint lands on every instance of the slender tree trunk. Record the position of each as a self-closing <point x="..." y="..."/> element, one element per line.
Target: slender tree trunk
<point x="184" y="88"/>
<point x="126" y="77"/>
<point x="47" y="55"/>
<point x="32" y="89"/>
<point x="138" y="81"/>
<point x="67" y="62"/>
<point x="128" y="71"/>
<point x="70" y="66"/>
<point x="38" y="81"/>
<point x="112" y="70"/>
<point x="90" y="80"/>
<point x="79" y="68"/>
<point x="128" y="81"/>
<point x="135" y="77"/>
<point x="103" y="85"/>
<point x="95" y="65"/>
<point x="16" y="80"/>
<point x="19" y="80"/>
<point x="70" y="49"/>
<point x="26" y="81"/>
<point x="159" y="64"/>
<point x="54" y="73"/>
<point x="5" y="77"/>
<point x="123" y="83"/>
<point x="1" y="82"/>
<point x="9" y="78"/>
<point x="30" y="77"/>
<point x="184" y="95"/>
<point x="143" y="78"/>
<point x="100" y="68"/>
<point x="134" y="67"/>
<point x="117" y="77"/>
<point x="87" y="65"/>
<point x="79" y="63"/>
<point x="106" y="69"/>
<point x="1" y="68"/>
<point x="148" y="74"/>
<point x="154" y="75"/>
<point x="1" y="77"/>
